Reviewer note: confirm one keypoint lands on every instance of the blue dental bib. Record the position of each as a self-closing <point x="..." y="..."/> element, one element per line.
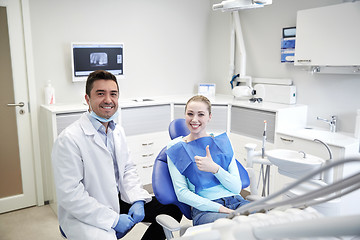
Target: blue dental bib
<point x="182" y="155"/>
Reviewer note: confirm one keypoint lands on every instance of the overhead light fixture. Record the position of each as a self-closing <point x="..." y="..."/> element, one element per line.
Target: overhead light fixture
<point x="235" y="5"/>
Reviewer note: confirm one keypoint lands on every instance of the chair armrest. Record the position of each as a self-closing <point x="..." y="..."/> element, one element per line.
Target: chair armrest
<point x="253" y="197"/>
<point x="169" y="224"/>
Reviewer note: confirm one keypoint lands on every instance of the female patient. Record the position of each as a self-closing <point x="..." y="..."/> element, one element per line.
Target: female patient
<point x="203" y="168"/>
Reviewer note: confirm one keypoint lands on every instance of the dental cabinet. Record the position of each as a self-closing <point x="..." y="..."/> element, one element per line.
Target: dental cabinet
<point x="247" y="126"/>
<point x="328" y="37"/>
<point x="55" y="119"/>
<point x="146" y="127"/>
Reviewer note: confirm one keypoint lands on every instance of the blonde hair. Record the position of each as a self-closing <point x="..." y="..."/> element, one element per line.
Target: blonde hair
<point x="199" y="98"/>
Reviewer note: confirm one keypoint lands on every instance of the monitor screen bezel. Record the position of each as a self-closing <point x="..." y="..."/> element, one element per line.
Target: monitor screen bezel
<point x="90" y="45"/>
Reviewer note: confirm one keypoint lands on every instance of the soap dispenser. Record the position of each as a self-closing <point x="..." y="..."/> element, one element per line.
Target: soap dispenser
<point x="49" y="94"/>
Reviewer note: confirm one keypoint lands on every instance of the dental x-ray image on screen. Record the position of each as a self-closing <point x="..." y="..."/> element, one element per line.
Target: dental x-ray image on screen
<point x="98" y="59"/>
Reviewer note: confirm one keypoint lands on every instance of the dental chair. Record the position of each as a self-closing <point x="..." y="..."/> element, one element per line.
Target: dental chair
<point x="163" y="187"/>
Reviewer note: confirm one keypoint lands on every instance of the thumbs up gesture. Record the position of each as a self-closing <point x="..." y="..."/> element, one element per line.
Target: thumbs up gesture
<point x="206" y="164"/>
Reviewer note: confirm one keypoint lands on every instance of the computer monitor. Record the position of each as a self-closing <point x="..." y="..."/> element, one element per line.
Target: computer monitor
<point x="88" y="57"/>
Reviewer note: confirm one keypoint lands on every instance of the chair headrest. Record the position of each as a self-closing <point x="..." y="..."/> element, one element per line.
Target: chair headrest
<point x="178" y="128"/>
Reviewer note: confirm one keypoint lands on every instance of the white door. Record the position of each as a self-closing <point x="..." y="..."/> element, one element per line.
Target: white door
<point x="17" y="180"/>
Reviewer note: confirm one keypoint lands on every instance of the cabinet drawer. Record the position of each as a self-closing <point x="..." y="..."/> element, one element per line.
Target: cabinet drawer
<point x="65" y="119"/>
<point x="146" y="147"/>
<point x="145" y="142"/>
<point x="145" y="119"/>
<point x="250" y="122"/>
<point x="145" y="172"/>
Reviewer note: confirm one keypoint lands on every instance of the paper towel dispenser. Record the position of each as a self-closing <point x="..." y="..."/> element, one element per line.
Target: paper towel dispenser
<point x="327" y="38"/>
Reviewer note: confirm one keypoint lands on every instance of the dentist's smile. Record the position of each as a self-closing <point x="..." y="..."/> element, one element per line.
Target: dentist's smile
<point x="107" y="107"/>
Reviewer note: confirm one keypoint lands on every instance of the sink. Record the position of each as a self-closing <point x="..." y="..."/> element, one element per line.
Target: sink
<point x="293" y="163"/>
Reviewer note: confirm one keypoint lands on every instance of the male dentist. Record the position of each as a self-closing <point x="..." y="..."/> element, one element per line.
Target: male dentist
<point x="99" y="192"/>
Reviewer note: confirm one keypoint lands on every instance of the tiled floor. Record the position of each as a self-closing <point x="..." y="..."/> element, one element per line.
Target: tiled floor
<point x="40" y="223"/>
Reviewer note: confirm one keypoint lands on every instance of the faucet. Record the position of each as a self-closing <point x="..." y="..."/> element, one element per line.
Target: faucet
<point x="331" y="122"/>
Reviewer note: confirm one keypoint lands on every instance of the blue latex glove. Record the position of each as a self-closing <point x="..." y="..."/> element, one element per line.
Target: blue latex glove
<point x="124" y="224"/>
<point x="137" y="211"/>
<point x="120" y="235"/>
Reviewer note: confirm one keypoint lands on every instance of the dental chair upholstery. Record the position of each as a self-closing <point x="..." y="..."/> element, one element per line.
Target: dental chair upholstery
<point x="162" y="184"/>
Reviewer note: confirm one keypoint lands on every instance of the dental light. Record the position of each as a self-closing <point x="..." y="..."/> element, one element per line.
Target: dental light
<point x="237" y="44"/>
<point x="235" y="5"/>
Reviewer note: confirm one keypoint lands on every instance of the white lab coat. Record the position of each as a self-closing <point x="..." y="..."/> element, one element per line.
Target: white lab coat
<point x="85" y="181"/>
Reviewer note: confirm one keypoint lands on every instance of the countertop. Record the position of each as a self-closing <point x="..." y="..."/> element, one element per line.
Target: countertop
<point x="175" y="99"/>
<point x="340" y="139"/>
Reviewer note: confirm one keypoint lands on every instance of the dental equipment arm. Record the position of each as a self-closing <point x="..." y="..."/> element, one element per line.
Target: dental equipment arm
<point x="311" y="228"/>
<point x="236" y="5"/>
<point x="261" y="205"/>
<point x="263" y="141"/>
<point x="256" y="157"/>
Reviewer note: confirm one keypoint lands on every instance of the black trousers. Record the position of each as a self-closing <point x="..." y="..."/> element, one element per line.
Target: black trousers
<point x="152" y="209"/>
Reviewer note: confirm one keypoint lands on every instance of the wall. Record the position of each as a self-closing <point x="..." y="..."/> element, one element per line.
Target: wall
<point x="164" y="43"/>
<point x="170" y="46"/>
<point x="325" y="94"/>
<point x="165" y="46"/>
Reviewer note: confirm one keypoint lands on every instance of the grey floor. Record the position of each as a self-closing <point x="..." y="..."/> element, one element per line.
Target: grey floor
<point x="40" y="223"/>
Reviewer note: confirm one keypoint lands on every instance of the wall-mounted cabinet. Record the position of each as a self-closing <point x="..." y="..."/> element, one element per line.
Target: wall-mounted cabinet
<point x="329" y="37"/>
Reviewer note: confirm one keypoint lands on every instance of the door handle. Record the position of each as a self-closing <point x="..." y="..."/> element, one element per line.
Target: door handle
<point x="20" y="104"/>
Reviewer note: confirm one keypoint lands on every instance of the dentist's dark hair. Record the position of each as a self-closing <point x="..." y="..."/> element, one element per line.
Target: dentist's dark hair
<point x="99" y="75"/>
